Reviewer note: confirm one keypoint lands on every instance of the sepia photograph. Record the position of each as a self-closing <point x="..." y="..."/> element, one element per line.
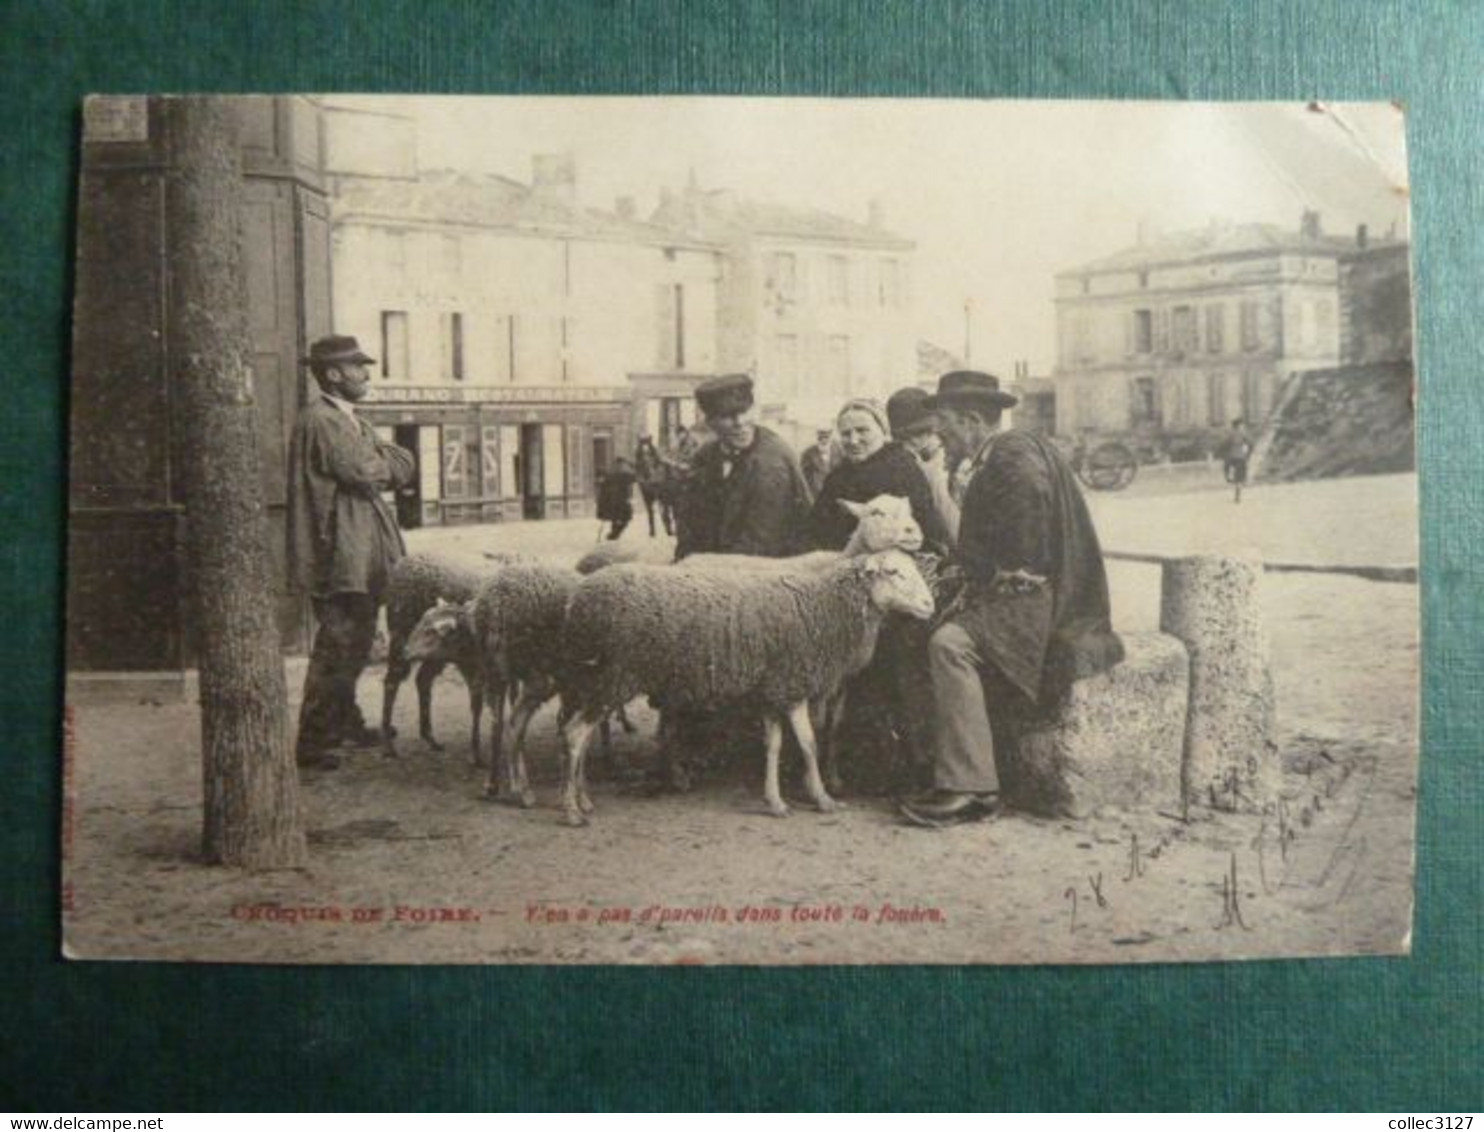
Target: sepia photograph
<point x="556" y="530"/>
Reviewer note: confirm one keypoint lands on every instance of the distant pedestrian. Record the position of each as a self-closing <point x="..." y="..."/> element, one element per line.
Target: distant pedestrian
<point x="1235" y="455"/>
<point x="615" y="498"/>
<point x="815" y="463"/>
<point x="654" y="483"/>
<point x="343" y="541"/>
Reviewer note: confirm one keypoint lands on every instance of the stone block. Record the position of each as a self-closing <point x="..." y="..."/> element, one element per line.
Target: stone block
<point x="1116" y="739"/>
<point x="1214" y="605"/>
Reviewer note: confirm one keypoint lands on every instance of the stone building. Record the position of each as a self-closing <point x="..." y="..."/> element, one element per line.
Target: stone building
<point x="522" y="340"/>
<point x="1192" y="330"/>
<point x="818" y="307"/>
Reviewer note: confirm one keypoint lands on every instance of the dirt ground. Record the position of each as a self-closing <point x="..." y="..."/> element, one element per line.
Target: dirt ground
<point x="408" y="863"/>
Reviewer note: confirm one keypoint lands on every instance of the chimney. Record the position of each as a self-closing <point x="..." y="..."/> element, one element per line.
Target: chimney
<point x="555" y="175"/>
<point x="626" y="208"/>
<point x="1362" y="236"/>
<point x="875" y="213"/>
<point x="1309" y="226"/>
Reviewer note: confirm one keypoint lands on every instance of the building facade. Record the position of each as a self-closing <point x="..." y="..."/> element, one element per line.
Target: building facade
<point x="1197" y="329"/>
<point x="816" y="306"/>
<point x="522" y="341"/>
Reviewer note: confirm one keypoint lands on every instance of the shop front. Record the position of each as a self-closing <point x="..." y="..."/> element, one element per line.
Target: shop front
<point x="502" y="453"/>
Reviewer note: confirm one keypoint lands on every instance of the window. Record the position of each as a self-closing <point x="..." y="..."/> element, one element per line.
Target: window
<point x="891" y="283"/>
<point x="1216" y="398"/>
<point x="1215" y="328"/>
<point x="1143" y="279"/>
<point x="785" y="276"/>
<point x="839" y="281"/>
<point x="1249" y="325"/>
<point x="839" y="365"/>
<point x="394" y="347"/>
<point x="1183" y="330"/>
<point x="1143" y="332"/>
<point x="455" y="462"/>
<point x="1082" y="349"/>
<point x="489" y="462"/>
<point x="786" y="364"/>
<point x="453" y="346"/>
<point x="1143" y="402"/>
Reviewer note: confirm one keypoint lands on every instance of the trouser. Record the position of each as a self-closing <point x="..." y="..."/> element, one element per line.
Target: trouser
<point x="965" y="761"/>
<point x="342" y="647"/>
<point x="653" y="498"/>
<point x="617" y="528"/>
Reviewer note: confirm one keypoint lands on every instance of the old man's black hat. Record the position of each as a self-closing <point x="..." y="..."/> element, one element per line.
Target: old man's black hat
<point x="970" y="388"/>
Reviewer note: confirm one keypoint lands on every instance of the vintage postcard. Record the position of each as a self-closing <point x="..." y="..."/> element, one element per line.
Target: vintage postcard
<point x="740" y="531"/>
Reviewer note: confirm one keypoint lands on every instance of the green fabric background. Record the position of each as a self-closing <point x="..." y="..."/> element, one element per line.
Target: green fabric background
<point x="1394" y="1035"/>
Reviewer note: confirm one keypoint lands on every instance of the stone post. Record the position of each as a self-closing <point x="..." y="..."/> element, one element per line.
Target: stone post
<point x="1213" y="604"/>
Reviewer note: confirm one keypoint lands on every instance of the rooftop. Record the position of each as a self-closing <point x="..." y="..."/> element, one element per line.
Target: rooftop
<point x="485" y="201"/>
<point x="717" y="213"/>
<point x="1217" y="241"/>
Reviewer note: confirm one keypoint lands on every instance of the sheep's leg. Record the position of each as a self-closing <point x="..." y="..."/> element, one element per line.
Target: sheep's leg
<point x="494" y="695"/>
<point x="829" y="749"/>
<point x="476" y="710"/>
<point x="576" y="734"/>
<point x="397" y="668"/>
<point x="798" y="719"/>
<point x="772" y="796"/>
<point x="531" y="699"/>
<point x="427" y="672"/>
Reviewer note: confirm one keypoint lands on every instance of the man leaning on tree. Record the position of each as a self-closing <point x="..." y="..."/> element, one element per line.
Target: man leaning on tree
<point x="343" y="541"/>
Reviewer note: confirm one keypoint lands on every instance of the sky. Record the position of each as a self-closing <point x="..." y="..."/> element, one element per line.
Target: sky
<point x="998" y="195"/>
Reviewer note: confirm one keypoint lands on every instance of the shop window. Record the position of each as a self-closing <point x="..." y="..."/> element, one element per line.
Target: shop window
<point x="395" y="357"/>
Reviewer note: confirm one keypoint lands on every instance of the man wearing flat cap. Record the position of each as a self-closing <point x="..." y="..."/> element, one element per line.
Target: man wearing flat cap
<point x="343" y="541"/>
<point x="1034" y="615"/>
<point x="746" y="494"/>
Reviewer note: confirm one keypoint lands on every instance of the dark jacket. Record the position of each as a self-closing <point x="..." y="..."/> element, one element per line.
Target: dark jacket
<point x="343" y="537"/>
<point x="760" y="508"/>
<point x="1023" y="511"/>
<point x="816" y="467"/>
<point x="890" y="470"/>
<point x="615" y="496"/>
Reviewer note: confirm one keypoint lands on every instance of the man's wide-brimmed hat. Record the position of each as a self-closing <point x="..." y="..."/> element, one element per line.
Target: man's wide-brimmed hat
<point x="971" y="388"/>
<point x="725" y="395"/>
<point x="337" y="348"/>
<point x="908" y="414"/>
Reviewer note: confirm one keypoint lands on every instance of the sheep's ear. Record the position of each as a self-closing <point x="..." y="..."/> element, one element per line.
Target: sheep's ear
<point x="856" y="509"/>
<point x="442" y="603"/>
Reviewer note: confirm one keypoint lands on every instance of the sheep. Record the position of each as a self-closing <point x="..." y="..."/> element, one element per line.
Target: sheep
<point x="607" y="554"/>
<point x="883" y="522"/>
<point x="517" y="618"/>
<point x="445" y="635"/>
<point x="417" y="583"/>
<point x="693" y="637"/>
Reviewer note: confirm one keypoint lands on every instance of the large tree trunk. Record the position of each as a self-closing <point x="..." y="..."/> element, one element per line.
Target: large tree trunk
<point x="251" y="783"/>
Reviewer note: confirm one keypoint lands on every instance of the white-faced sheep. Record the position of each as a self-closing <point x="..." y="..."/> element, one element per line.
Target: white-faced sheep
<point x="517" y="620"/>
<point x="701" y="637"/>
<point x="416" y="584"/>
<point x="883" y="523"/>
